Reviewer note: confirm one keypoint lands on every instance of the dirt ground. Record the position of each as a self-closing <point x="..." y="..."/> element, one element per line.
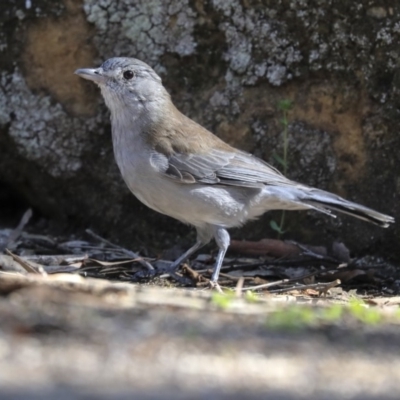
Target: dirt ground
<point x="81" y="338"/>
<point x="327" y="330"/>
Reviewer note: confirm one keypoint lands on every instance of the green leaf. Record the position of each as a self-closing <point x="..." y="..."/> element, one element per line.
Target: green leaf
<point x="275" y="227"/>
<point x="364" y="314"/>
<point x="285" y="105"/>
<point x="222" y="300"/>
<point x="251" y="297"/>
<point x="285" y="122"/>
<point x="332" y="313"/>
<point x="292" y="318"/>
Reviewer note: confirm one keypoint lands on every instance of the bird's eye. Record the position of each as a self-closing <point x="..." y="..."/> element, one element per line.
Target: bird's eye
<point x="128" y="75"/>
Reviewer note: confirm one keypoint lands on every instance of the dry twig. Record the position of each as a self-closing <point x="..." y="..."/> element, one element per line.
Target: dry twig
<point x="129" y="253"/>
<point x="26" y="265"/>
<point x="321" y="287"/>
<point x="14" y="235"/>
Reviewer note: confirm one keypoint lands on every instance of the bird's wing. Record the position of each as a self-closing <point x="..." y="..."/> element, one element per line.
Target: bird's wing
<point x="220" y="167"/>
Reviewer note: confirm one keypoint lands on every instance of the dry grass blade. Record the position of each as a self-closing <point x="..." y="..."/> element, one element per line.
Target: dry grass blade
<point x="321" y="287"/>
<point x="14" y="235"/>
<point x="125" y="251"/>
<point x="239" y="287"/>
<point x="69" y="259"/>
<point x="112" y="263"/>
<point x="61" y="269"/>
<point x="266" y="285"/>
<point x="26" y="265"/>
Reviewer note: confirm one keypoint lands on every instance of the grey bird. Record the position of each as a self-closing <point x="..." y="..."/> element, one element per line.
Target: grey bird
<point x="180" y="169"/>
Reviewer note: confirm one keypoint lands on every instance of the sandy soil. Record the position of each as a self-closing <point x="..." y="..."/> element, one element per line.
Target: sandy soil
<point x="88" y="339"/>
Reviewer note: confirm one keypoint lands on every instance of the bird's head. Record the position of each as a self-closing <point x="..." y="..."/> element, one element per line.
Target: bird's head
<point x="127" y="85"/>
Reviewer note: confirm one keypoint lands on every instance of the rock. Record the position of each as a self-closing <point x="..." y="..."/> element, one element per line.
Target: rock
<point x="227" y="64"/>
<point x="377" y="12"/>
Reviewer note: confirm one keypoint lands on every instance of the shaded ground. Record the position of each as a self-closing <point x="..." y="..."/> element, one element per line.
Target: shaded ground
<point x="66" y="335"/>
<point x="97" y="342"/>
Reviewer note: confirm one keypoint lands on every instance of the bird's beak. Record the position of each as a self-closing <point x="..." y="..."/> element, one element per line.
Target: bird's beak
<point x="92" y="74"/>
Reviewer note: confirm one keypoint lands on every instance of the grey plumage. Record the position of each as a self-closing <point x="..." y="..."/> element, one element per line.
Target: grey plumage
<point x="178" y="168"/>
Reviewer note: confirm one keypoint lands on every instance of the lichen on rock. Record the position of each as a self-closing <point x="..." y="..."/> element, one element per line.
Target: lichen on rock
<point x="145" y="29"/>
<point x="41" y="129"/>
<point x="258" y="46"/>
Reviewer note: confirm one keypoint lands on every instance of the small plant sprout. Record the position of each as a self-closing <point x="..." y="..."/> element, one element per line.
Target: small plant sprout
<point x="284" y="106"/>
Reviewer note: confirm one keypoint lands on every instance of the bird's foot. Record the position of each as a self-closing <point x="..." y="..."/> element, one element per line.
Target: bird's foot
<point x="215" y="286"/>
<point x="163" y="269"/>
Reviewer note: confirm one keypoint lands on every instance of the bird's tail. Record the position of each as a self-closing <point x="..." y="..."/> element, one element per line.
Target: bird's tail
<point x="325" y="201"/>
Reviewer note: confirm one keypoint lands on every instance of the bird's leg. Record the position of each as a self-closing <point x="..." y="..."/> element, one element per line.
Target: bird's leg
<point x="204" y="235"/>
<point x="186" y="255"/>
<point x="223" y="240"/>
